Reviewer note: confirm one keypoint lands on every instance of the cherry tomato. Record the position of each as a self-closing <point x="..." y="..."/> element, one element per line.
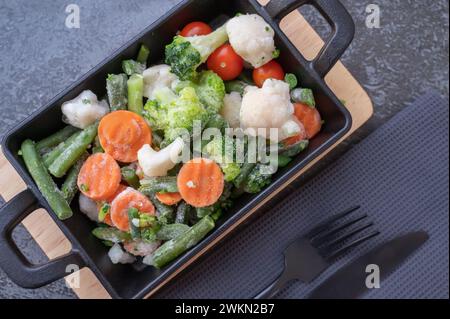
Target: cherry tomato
<point x="196" y="28"/>
<point x="271" y="70"/>
<point x="226" y="63"/>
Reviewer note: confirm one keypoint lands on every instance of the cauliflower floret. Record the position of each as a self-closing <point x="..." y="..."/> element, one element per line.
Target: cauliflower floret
<point x="157" y="77"/>
<point x="118" y="256"/>
<point x="269" y="107"/>
<point x="252" y="38"/>
<point x="231" y="109"/>
<point x="88" y="207"/>
<point x="84" y="110"/>
<point x="155" y="163"/>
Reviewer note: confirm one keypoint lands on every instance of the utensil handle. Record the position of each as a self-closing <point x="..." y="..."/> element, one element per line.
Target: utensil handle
<point x="341" y="22"/>
<point x="274" y="287"/>
<point x="13" y="262"/>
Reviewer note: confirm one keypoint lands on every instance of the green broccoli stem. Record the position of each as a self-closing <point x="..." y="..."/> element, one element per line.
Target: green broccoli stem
<point x="143" y="54"/>
<point x="207" y="44"/>
<point x="136" y="94"/>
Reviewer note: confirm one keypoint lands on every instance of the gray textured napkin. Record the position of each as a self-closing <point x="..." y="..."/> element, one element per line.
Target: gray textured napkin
<point x="399" y="175"/>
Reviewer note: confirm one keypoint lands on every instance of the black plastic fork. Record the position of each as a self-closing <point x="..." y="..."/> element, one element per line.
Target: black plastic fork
<point x="308" y="256"/>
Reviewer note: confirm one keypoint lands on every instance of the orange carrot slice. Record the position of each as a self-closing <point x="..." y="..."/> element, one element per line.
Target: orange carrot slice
<point x="122" y="134"/>
<point x="124" y="201"/>
<point x="99" y="177"/>
<point x="169" y="198"/>
<point x="200" y="182"/>
<point x="310" y="117"/>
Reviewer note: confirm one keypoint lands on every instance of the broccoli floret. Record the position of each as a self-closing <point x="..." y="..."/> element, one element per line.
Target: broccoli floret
<point x="186" y="54"/>
<point x="211" y="91"/>
<point x="222" y="150"/>
<point x="260" y="177"/>
<point x="156" y="115"/>
<point x="173" y="113"/>
<point x="183" y="112"/>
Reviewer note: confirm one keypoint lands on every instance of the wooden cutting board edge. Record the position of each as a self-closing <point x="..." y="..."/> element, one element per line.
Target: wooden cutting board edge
<point x="53" y="242"/>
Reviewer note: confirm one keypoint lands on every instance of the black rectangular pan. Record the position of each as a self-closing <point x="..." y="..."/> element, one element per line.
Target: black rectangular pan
<point x="135" y="281"/>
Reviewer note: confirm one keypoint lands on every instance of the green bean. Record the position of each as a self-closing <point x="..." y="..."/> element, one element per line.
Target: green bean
<point x="283" y="161"/>
<point x="294" y="150"/>
<point x="207" y="211"/>
<point x="165" y="213"/>
<point x="54" y="139"/>
<point x="136" y="94"/>
<point x="133" y="214"/>
<point x="44" y="181"/>
<point x="73" y="151"/>
<point x="111" y="234"/>
<point x="183" y="213"/>
<point x="69" y="188"/>
<point x="246" y="168"/>
<point x="175" y="247"/>
<point x="164" y="184"/>
<point x="172" y="231"/>
<point x="116" y="86"/>
<point x="130" y="177"/>
<point x="50" y="157"/>
<point x="143" y="54"/>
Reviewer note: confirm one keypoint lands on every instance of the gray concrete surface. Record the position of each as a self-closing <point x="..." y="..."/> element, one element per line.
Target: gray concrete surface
<point x="39" y="57"/>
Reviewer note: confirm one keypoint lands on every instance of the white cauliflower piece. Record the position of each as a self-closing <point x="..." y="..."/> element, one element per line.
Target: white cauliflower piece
<point x="252" y="38"/>
<point x="118" y="256"/>
<point x="157" y="77"/>
<point x="269" y="107"/>
<point x="88" y="207"/>
<point x="231" y="109"/>
<point x="155" y="163"/>
<point x="84" y="110"/>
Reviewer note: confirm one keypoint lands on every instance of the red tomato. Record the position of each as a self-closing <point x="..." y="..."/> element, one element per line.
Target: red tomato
<point x="196" y="28"/>
<point x="271" y="70"/>
<point x="226" y="63"/>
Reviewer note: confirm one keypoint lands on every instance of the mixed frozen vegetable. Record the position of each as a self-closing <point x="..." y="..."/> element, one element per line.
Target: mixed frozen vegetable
<point x="122" y="158"/>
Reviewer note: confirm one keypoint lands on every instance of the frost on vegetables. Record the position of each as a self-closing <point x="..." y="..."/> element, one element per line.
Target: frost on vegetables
<point x="123" y="160"/>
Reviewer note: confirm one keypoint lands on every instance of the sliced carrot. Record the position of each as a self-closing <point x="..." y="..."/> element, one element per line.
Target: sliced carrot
<point x="200" y="182"/>
<point x="120" y="189"/>
<point x="99" y="177"/>
<point x="169" y="198"/>
<point x="124" y="201"/>
<point x="310" y="117"/>
<point x="122" y="134"/>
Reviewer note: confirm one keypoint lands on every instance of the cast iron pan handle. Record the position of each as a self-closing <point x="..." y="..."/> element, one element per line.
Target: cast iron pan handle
<point x="13" y="262"/>
<point x="336" y="15"/>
